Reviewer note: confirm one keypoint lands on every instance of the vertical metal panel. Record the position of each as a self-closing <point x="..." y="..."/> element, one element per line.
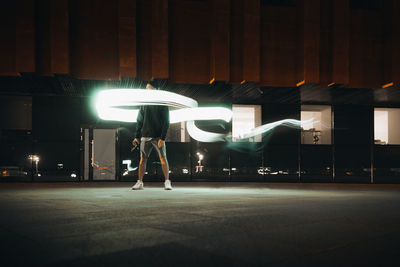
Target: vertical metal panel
<point x="94" y="39"/>
<point x="25" y="39"/>
<point x="279" y="45"/>
<point x="340" y="39"/>
<point x="43" y="35"/>
<point x="236" y="41"/>
<point x="311" y="41"/>
<point x="127" y="37"/>
<point x="220" y="39"/>
<point x="251" y="40"/>
<point x="59" y="37"/>
<point x="300" y="5"/>
<point x="396" y="42"/>
<point x="366" y="50"/>
<point x="17" y="48"/>
<point x="52" y="37"/>
<point x="7" y="44"/>
<point x="190" y="41"/>
<point x="144" y="39"/>
<point x="325" y="46"/>
<point x="159" y="40"/>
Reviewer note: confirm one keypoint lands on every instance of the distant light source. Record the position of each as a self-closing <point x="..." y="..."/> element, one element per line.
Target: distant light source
<point x="73" y="175"/>
<point x="300" y="83"/>
<point x="201" y="156"/>
<point x="34" y="158"/>
<point x="387" y="85"/>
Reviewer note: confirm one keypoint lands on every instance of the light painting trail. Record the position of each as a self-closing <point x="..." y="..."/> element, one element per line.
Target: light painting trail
<point x="123" y="105"/>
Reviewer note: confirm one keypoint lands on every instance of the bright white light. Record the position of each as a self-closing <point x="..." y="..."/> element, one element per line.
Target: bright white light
<point x="271" y="126"/>
<point x="205" y="113"/>
<point x="123" y="105"/>
<point x="185" y="171"/>
<point x="203" y="136"/>
<point x="109" y="102"/>
<point x="381" y="129"/>
<point x="128" y="162"/>
<point x="245" y="118"/>
<point x="35" y="158"/>
<point x="73" y="175"/>
<point x="311" y="120"/>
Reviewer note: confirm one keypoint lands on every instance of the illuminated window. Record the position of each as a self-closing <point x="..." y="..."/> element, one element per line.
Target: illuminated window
<point x="316" y="121"/>
<point x="386" y="126"/>
<point x="245" y="118"/>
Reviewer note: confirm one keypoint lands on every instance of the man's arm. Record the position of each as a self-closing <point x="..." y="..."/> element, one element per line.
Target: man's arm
<point x="139" y="124"/>
<point x="165" y="122"/>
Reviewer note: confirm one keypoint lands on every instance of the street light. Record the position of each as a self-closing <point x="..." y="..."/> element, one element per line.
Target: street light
<point x="35" y="158"/>
<point x="199" y="168"/>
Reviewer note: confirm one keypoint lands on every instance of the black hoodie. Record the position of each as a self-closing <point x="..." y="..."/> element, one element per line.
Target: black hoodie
<point x="152" y="121"/>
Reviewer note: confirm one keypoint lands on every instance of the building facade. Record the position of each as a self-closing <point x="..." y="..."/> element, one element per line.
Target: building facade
<point x="337" y="61"/>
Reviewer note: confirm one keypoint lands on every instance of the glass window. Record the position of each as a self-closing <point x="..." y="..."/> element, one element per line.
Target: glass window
<point x="177" y="133"/>
<point x="245" y="118"/>
<point x="316" y="121"/>
<point x="386" y="126"/>
<point x="16" y="112"/>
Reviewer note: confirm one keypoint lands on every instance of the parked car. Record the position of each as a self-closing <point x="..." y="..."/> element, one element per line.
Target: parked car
<point x="12" y="171"/>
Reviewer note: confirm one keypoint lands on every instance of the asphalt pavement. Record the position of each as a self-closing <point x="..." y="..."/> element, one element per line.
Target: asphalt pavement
<point x="199" y="224"/>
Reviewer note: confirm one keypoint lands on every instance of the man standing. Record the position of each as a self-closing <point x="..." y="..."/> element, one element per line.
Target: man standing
<point x="151" y="129"/>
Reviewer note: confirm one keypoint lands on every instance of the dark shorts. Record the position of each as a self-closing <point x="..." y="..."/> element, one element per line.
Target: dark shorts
<point x="147" y="144"/>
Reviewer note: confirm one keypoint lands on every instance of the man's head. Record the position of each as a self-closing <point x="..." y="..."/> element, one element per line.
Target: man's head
<point x="153" y="84"/>
<point x="149" y="86"/>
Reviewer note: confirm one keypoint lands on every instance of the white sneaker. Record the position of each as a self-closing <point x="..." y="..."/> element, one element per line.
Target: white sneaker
<point x="138" y="185"/>
<point x="167" y="185"/>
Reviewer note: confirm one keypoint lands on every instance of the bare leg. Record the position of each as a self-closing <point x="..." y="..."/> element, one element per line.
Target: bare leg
<point x="142" y="168"/>
<point x="165" y="167"/>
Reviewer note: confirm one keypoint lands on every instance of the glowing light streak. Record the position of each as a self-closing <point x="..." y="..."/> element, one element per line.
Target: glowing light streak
<point x="123" y="105"/>
<point x="208" y="113"/>
<point x="128" y="162"/>
<point x="271" y="126"/>
<point x="203" y="136"/>
<point x="142" y="97"/>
